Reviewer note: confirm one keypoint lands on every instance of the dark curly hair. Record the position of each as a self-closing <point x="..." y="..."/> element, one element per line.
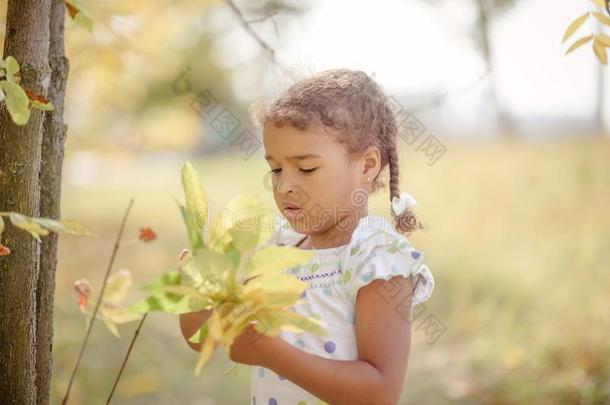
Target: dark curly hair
<point x="352" y="104"/>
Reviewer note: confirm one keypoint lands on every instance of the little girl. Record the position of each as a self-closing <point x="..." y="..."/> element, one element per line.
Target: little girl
<point x="327" y="140"/>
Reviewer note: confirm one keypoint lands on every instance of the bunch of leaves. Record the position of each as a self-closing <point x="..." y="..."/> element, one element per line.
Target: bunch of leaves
<point x="233" y="271"/>
<point x="601" y="41"/>
<point x="40" y="227"/>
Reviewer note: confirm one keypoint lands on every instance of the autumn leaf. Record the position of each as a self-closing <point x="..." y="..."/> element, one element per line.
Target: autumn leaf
<point x="579" y="43"/>
<point x="147" y="235"/>
<point x="602" y="17"/>
<point x="574" y="26"/>
<point x="603" y="40"/>
<point x="39" y="102"/>
<point x="600" y="51"/>
<point x="78" y="15"/>
<point x="4" y="251"/>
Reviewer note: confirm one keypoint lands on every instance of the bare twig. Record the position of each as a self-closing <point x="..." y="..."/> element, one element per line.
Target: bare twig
<point x="97" y="304"/>
<point x="261" y="19"/>
<point x="133" y="340"/>
<point x="439" y="98"/>
<point x="258" y="38"/>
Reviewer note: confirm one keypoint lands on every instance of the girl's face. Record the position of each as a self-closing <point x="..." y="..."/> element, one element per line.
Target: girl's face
<point x="314" y="185"/>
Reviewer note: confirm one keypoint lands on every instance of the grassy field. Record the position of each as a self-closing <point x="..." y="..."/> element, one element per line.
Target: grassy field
<point x="518" y="240"/>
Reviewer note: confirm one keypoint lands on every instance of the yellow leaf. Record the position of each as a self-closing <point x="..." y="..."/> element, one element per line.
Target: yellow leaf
<point x="600" y="3"/>
<point x="603" y="39"/>
<point x="63" y="226"/>
<point x="111" y="327"/>
<point x="244" y="224"/>
<point x="117" y="285"/>
<point x="206" y="352"/>
<point x="579" y="43"/>
<point x="600" y="52"/>
<point x="26" y="223"/>
<point x="211" y="265"/>
<point x="574" y="26"/>
<point x="274" y="259"/>
<point x="602" y="17"/>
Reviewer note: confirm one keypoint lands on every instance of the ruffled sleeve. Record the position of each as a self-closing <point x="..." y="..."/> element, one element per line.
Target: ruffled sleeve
<point x="384" y="255"/>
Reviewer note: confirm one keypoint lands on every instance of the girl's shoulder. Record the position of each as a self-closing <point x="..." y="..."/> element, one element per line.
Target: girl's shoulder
<point x="378" y="251"/>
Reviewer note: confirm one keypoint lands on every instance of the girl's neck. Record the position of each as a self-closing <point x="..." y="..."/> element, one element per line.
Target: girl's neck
<point x="337" y="235"/>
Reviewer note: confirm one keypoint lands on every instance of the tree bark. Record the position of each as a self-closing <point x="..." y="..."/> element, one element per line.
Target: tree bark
<point x="27" y="40"/>
<point x="52" y="156"/>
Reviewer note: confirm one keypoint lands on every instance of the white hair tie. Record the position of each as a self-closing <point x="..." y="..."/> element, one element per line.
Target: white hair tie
<point x="399" y="204"/>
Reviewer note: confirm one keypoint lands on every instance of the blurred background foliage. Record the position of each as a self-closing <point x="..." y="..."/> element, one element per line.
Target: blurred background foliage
<point x="518" y="234"/>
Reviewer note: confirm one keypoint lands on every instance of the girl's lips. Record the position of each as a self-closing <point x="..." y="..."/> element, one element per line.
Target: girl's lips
<point x="291" y="213"/>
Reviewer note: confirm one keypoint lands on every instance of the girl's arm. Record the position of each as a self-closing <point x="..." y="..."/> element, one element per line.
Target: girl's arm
<point x="383" y="337"/>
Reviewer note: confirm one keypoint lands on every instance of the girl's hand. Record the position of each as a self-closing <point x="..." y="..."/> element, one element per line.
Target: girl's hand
<point x="251" y="347"/>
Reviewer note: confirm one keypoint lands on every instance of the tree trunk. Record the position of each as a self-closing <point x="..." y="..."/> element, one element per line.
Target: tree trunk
<point x="502" y="121"/>
<point x="52" y="156"/>
<point x="27" y="40"/>
<point x="600" y="102"/>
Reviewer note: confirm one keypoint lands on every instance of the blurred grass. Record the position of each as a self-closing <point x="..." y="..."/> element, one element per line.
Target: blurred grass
<point x="518" y="242"/>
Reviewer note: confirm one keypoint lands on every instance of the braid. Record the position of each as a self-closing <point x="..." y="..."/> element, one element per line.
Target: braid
<point x="406" y="222"/>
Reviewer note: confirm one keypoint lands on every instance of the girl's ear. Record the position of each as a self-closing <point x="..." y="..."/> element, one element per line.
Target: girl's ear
<point x="371" y="159"/>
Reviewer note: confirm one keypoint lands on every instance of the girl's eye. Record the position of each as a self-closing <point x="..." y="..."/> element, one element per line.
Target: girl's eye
<point x="308" y="170"/>
<point x="276" y="171"/>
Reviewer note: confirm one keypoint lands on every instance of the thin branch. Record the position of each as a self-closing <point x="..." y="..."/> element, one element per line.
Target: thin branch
<point x="97" y="304"/>
<point x="257" y="37"/>
<point x="133" y="340"/>
<point x="448" y="94"/>
<point x="261" y="19"/>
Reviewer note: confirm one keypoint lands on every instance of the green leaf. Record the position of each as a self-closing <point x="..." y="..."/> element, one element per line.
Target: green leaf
<point x="1" y="95"/>
<point x="78" y="15"/>
<point x="12" y="67"/>
<point x="42" y="106"/>
<point x="200" y="335"/>
<point x="193" y="232"/>
<point x="196" y="201"/>
<point x="165" y="279"/>
<point x="579" y="43"/>
<point x="574" y="26"/>
<point x="170" y="304"/>
<point x="17" y="102"/>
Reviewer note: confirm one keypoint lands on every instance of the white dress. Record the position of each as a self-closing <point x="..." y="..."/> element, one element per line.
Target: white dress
<point x="376" y="251"/>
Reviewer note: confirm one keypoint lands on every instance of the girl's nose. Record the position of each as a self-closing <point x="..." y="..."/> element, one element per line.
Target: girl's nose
<point x="285" y="184"/>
